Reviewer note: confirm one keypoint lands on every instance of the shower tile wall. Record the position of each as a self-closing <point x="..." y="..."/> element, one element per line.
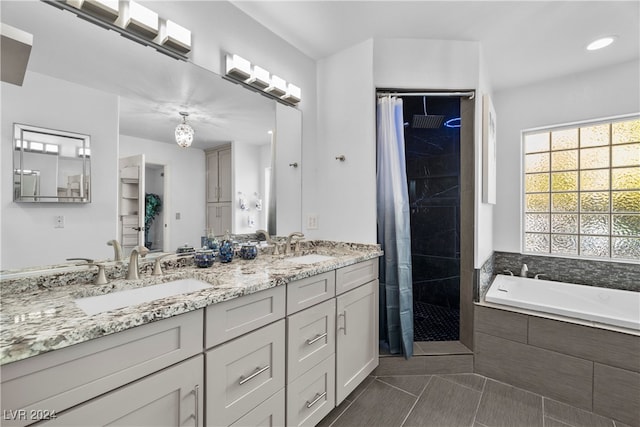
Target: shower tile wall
<point x="433" y="174"/>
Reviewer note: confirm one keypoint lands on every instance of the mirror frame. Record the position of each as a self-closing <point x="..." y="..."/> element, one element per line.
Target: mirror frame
<point x="19" y="167"/>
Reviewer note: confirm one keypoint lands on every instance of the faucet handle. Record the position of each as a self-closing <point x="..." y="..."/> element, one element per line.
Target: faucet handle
<point x="101" y="278"/>
<point x="157" y="267"/>
<point x="537" y="276"/>
<point x="509" y="272"/>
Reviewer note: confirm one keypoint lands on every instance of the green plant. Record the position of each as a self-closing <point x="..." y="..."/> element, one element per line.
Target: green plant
<point x="153" y="206"/>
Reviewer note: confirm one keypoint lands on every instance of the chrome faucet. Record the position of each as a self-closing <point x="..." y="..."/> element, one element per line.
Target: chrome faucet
<point x="287" y="247"/>
<point x="524" y="270"/>
<point x="117" y="250"/>
<point x="265" y="234"/>
<point x="101" y="278"/>
<point x="132" y="271"/>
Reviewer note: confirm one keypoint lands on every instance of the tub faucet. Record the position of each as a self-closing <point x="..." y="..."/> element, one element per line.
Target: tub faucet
<point x="132" y="271"/>
<point x="297" y="234"/>
<point x="524" y="270"/>
<point x="117" y="250"/>
<point x="509" y="272"/>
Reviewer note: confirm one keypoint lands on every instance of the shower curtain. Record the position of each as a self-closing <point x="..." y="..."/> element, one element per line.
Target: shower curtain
<point x="394" y="231"/>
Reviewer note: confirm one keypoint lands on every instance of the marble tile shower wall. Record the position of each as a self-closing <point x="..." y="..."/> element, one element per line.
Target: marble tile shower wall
<point x="433" y="173"/>
<point x="615" y="275"/>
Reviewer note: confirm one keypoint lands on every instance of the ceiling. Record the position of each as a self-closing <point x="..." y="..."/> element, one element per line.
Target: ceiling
<point x="153" y="88"/>
<point x="522" y="41"/>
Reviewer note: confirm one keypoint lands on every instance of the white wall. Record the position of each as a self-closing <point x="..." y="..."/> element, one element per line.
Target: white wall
<point x="28" y="234"/>
<point x="346" y="191"/>
<point x="346" y="125"/>
<point x="602" y="93"/>
<point x="442" y="65"/>
<point x="185" y="177"/>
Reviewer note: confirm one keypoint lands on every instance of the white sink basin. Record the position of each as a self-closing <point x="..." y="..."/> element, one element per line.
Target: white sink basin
<point x="309" y="259"/>
<point x="98" y="304"/>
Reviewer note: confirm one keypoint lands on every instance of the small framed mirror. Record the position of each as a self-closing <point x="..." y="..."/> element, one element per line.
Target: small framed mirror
<point x="50" y="165"/>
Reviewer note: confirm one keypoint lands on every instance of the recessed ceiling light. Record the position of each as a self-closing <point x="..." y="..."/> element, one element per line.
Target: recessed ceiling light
<point x="601" y="43"/>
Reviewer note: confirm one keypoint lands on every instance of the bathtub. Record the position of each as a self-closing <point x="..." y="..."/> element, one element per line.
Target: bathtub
<point x="612" y="307"/>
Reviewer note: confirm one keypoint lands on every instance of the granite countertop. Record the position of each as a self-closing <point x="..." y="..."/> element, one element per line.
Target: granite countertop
<point x="39" y="315"/>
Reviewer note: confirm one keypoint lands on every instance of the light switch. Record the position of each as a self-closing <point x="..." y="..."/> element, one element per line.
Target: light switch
<point x="177" y="215"/>
<point x="312" y="222"/>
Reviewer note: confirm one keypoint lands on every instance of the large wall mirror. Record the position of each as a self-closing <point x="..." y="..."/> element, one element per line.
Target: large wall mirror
<point x="149" y="90"/>
<point x="50" y="165"/>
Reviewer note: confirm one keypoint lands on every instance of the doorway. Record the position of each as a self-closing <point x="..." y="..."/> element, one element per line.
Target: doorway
<point x="432" y="147"/>
<point x="155" y="186"/>
<point x="438" y="133"/>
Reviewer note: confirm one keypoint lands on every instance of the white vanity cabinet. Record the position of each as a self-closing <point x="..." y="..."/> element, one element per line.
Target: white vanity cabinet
<point x="55" y="381"/>
<point x="171" y="397"/>
<point x="357" y="337"/>
<point x="332" y="339"/>
<point x="243" y="373"/>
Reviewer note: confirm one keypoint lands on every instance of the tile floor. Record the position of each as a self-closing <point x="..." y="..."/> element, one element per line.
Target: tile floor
<point x="454" y="400"/>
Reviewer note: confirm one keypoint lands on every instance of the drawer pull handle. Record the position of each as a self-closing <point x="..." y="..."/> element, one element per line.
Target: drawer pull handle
<point x="196" y="392"/>
<point x="344" y="316"/>
<point x="316" y="400"/>
<point x="318" y="338"/>
<point x="255" y="374"/>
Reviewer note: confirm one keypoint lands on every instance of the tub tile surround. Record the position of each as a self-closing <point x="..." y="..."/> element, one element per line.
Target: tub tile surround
<point x="39" y="314"/>
<point x="605" y="274"/>
<point x="589" y="368"/>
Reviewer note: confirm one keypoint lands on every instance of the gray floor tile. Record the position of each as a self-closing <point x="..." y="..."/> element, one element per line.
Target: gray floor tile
<point x="574" y="416"/>
<point x="550" y="422"/>
<point x="413" y="384"/>
<point x="361" y="387"/>
<point x="334" y="414"/>
<point x="400" y="366"/>
<point x="444" y="403"/>
<point x="379" y="405"/>
<point x="473" y="381"/>
<point x="505" y="406"/>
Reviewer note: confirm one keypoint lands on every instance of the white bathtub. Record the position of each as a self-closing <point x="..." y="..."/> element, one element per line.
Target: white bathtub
<point x="601" y="305"/>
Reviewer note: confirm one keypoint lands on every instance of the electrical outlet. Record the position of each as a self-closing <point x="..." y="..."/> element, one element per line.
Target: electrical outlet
<point x="312" y="222"/>
<point x="59" y="221"/>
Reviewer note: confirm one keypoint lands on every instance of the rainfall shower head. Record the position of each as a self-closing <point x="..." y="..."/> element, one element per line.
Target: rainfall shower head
<point x="426" y="121"/>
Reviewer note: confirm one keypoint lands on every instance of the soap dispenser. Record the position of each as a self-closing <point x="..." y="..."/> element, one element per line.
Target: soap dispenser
<point x="524" y="270"/>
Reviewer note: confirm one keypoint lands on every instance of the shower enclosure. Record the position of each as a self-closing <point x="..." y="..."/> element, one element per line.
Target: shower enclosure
<point x="432" y="144"/>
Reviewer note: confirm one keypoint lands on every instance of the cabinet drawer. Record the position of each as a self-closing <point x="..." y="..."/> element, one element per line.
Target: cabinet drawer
<point x="312" y="396"/>
<point x="63" y="378"/>
<point x="352" y="276"/>
<point x="269" y="413"/>
<point x="243" y="373"/>
<point x="238" y="316"/>
<point x="172" y="396"/>
<point x="310" y="291"/>
<point x="310" y="337"/>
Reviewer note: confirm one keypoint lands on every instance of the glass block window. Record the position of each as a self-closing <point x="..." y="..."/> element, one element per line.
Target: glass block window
<point x="582" y="190"/>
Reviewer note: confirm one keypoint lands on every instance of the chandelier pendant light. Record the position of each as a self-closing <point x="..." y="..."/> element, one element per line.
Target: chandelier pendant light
<point x="184" y="132"/>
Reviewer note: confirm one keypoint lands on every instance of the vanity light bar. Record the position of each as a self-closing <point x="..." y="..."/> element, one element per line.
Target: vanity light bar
<point x="140" y="19"/>
<point x="241" y="70"/>
<point x="133" y="21"/>
<point x="105" y="9"/>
